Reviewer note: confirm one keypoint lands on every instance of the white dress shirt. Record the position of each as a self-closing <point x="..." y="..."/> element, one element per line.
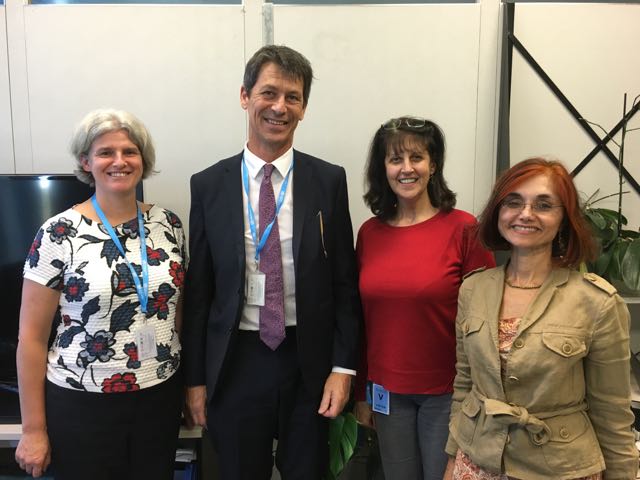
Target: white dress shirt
<point x="250" y="319"/>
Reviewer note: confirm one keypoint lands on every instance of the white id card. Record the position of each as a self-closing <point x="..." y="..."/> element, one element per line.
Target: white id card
<point x="146" y="342"/>
<point x="255" y="289"/>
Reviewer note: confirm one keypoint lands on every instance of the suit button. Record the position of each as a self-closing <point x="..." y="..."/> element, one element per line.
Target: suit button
<point x="564" y="433"/>
<point x="230" y="329"/>
<point x="513" y="379"/>
<point x="508" y="441"/>
<point x="519" y="343"/>
<point x="466" y="329"/>
<point x="566" y="348"/>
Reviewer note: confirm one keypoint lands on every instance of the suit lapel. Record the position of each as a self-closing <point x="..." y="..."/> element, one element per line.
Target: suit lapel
<point x="233" y="185"/>
<point x="558" y="277"/>
<point x="302" y="174"/>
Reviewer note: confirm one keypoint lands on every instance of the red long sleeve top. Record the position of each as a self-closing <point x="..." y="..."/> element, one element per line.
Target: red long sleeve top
<point x="409" y="281"/>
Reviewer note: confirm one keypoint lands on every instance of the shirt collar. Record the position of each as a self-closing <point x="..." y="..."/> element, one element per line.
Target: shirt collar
<point x="255" y="163"/>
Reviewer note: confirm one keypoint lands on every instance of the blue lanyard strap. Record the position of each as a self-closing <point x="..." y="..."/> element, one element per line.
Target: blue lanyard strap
<point x="141" y="289"/>
<point x="252" y="218"/>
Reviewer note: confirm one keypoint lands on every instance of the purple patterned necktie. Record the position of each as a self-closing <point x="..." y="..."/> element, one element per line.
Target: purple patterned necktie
<point x="272" y="313"/>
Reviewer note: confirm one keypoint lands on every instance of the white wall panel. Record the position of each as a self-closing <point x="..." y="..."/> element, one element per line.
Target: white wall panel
<point x="6" y="137"/>
<point x="178" y="68"/>
<point x="372" y="63"/>
<point x="591" y="52"/>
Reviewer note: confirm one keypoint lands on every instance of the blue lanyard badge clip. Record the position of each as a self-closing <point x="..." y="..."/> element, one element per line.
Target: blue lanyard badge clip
<point x="250" y="213"/>
<point x="142" y="287"/>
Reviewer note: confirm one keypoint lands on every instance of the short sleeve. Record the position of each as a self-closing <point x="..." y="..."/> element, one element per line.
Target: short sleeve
<point x="48" y="254"/>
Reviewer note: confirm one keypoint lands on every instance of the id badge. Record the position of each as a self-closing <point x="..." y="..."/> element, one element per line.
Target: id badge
<point x="380" y="399"/>
<point x="255" y="289"/>
<point x="146" y="342"/>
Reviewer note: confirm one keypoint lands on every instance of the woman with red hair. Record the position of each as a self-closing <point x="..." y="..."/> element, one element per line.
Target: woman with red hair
<point x="542" y="384"/>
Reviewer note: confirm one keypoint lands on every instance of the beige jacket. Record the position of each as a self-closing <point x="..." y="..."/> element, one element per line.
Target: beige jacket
<point x="563" y="410"/>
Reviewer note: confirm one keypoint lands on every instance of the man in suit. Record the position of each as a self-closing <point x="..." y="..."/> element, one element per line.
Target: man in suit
<point x="271" y="302"/>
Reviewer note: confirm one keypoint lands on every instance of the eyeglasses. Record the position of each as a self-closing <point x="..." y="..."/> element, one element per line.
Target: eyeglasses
<point x="539" y="206"/>
<point x="411" y="122"/>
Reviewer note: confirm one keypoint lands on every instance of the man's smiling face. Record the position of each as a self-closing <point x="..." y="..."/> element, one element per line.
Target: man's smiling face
<point x="275" y="106"/>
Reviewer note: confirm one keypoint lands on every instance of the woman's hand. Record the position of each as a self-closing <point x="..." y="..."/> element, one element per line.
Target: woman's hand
<point x="364" y="414"/>
<point x="39" y="304"/>
<point x="34" y="452"/>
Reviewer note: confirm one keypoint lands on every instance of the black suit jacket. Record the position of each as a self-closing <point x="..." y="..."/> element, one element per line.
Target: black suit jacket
<point x="327" y="302"/>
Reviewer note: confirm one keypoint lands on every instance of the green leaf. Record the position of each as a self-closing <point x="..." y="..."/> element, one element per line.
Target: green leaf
<point x="630" y="266"/>
<point x="608" y="238"/>
<point x="343" y="435"/>
<point x="351" y="428"/>
<point x="346" y="449"/>
<point x="615" y="267"/>
<point x="629" y="234"/>
<point x="611" y="215"/>
<point x="596" y="219"/>
<point x="601" y="264"/>
<point x="335" y="460"/>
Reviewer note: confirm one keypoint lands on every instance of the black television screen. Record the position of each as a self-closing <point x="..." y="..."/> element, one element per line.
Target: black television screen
<point x="26" y="201"/>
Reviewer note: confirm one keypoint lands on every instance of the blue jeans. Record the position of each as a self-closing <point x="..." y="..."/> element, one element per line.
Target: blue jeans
<point x="413" y="436"/>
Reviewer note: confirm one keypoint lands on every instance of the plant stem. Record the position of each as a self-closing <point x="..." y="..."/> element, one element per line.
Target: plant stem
<point x="620" y="167"/>
<point x="590" y="203"/>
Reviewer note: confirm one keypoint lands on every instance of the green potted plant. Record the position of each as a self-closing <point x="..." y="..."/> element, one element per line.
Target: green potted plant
<point x="619" y="259"/>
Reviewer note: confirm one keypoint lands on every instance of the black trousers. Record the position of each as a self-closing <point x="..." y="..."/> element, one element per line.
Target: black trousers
<point x="114" y="436"/>
<point x="262" y="397"/>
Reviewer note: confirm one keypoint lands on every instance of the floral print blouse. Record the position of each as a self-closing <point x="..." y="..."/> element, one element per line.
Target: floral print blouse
<point x="95" y="325"/>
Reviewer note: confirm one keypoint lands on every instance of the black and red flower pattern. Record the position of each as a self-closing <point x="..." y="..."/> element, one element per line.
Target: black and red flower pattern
<point x="131" y="350"/>
<point x="176" y="270"/>
<point x="173" y="219"/>
<point x="88" y="338"/>
<point x="154" y="257"/>
<point x="75" y="289"/>
<point x="61" y="230"/>
<point x="121" y="280"/>
<point x="130" y="228"/>
<point x="34" y="254"/>
<point x="159" y="304"/>
<point x="96" y="347"/>
<point x="120" y="383"/>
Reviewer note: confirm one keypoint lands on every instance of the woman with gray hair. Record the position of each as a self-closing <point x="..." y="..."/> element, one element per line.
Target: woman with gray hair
<point x="103" y="400"/>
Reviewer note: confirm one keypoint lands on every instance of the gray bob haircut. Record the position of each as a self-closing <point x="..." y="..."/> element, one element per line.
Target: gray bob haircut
<point x="101" y="121"/>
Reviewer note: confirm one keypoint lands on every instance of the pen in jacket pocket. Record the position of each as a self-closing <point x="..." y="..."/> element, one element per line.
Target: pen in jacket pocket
<point x="324" y="249"/>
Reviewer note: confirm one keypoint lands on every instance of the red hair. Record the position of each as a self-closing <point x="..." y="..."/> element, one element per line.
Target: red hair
<point x="575" y="232"/>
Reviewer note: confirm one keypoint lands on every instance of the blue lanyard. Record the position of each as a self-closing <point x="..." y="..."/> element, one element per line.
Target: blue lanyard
<point x="141" y="289"/>
<point x="252" y="218"/>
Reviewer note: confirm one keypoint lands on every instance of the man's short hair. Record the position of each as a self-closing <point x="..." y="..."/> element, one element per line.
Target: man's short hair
<point x="292" y="63"/>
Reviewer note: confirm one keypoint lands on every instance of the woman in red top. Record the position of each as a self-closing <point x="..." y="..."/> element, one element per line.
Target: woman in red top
<point x="412" y="256"/>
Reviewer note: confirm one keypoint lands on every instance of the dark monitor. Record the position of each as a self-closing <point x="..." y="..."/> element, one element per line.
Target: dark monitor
<point x="26" y="201"/>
